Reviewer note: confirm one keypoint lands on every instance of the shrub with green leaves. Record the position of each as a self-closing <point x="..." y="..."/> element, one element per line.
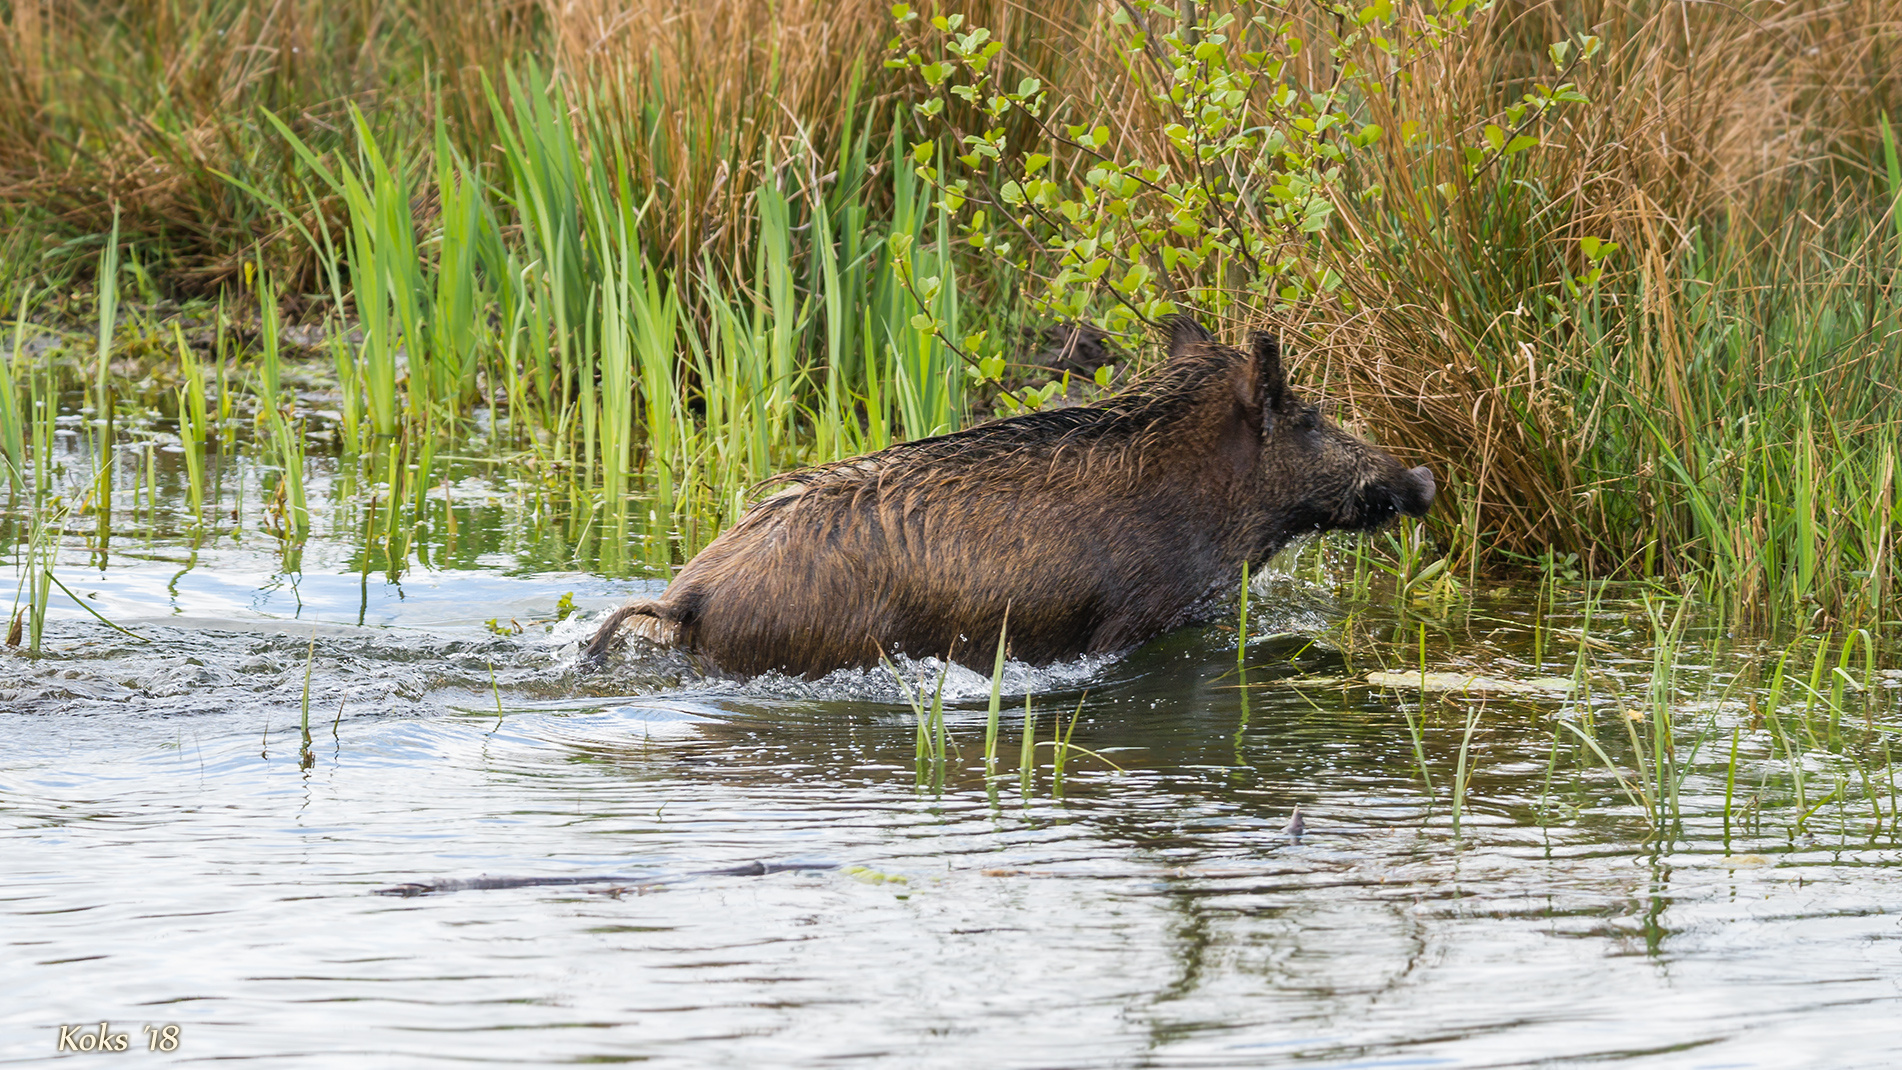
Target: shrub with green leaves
<point x="1215" y="185"/>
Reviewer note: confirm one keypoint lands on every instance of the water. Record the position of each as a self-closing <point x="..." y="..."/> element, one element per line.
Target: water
<point x="174" y="855"/>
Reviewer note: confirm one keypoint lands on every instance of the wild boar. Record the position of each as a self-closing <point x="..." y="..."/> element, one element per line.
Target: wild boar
<point x="1096" y="527"/>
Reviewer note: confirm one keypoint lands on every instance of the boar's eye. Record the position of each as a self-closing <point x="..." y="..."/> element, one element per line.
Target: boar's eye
<point x="1310" y="419"/>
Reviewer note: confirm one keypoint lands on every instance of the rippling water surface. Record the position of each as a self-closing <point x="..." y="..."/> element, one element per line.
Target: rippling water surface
<point x="769" y="876"/>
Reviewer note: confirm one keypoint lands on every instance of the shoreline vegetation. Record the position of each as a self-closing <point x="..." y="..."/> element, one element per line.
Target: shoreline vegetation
<point x="1626" y="277"/>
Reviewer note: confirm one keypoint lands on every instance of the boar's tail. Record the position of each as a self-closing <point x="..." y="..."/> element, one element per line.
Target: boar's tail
<point x="662" y="614"/>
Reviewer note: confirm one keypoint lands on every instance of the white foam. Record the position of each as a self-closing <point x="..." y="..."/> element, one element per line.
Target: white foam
<point x="921" y="680"/>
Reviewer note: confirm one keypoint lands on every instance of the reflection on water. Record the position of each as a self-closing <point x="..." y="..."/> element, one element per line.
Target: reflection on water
<point x="173" y="856"/>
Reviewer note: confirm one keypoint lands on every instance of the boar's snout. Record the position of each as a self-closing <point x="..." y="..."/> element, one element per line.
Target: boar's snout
<point x="1421" y="498"/>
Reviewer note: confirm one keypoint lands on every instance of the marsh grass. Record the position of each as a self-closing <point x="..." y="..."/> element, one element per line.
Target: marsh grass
<point x="306" y="758"/>
<point x="1416" y="715"/>
<point x="1063" y="749"/>
<point x="1789" y="730"/>
<point x="277" y="415"/>
<point x="933" y="738"/>
<point x="28" y="436"/>
<point x="1813" y="735"/>
<point x="1027" y="751"/>
<point x="1462" y="766"/>
<point x="103" y="398"/>
<point x="1241" y="625"/>
<point x="194" y="425"/>
<point x="996" y="707"/>
<point x="19" y="401"/>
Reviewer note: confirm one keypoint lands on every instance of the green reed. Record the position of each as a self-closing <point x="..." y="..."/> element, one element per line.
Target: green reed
<point x="996" y="705"/>
<point x="1241" y="625"/>
<point x="932" y="738"/>
<point x="194" y="424"/>
<point x="103" y="400"/>
<point x="36" y="580"/>
<point x="277" y="416"/>
<point x="1416" y="718"/>
<point x="305" y="758"/>
<point x="1061" y="746"/>
<point x="30" y="471"/>
<point x="13" y="420"/>
<point x="1660" y="766"/>
<point x="1812" y="728"/>
<point x="1027" y="750"/>
<point x="1462" y="766"/>
<point x="385" y="265"/>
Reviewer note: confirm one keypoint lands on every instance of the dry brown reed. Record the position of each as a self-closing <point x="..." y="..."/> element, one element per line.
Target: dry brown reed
<point x="137" y="107"/>
<point x="142" y="105"/>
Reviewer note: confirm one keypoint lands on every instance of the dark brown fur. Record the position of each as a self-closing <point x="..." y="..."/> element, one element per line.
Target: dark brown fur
<point x="1096" y="528"/>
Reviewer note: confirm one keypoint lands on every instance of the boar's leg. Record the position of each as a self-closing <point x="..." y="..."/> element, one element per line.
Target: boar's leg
<point x="664" y="616"/>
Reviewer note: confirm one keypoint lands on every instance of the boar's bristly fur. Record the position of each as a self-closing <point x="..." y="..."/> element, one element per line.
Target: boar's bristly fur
<point x="1095" y="527"/>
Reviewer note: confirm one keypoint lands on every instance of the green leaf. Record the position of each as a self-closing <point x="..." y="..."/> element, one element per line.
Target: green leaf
<point x="1595" y="249"/>
<point x="1495" y="137"/>
<point x="1893" y="163"/>
<point x="1520" y="144"/>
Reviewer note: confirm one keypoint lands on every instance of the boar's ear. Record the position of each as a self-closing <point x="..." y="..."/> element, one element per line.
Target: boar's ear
<point x="1271" y="381"/>
<point x="1185" y="333"/>
<point x="1261" y="387"/>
